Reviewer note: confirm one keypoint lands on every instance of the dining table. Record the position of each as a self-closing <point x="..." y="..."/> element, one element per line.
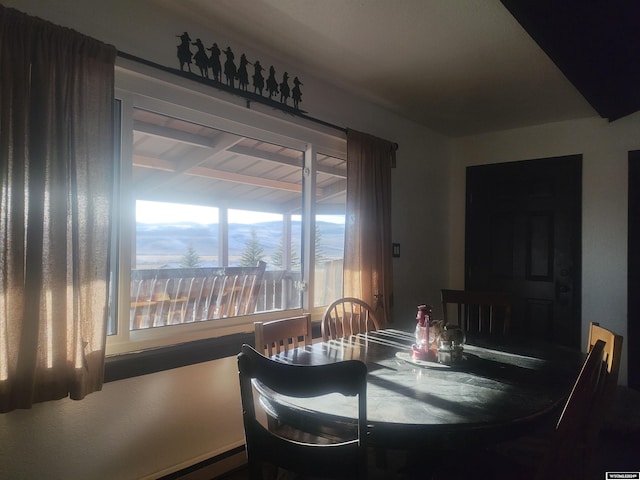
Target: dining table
<point x="500" y="389"/>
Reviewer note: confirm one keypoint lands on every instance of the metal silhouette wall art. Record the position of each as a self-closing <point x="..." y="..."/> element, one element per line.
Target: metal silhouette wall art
<point x="225" y="78"/>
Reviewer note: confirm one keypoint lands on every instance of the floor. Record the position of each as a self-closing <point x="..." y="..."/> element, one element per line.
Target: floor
<point x="618" y="456"/>
<point x="614" y="455"/>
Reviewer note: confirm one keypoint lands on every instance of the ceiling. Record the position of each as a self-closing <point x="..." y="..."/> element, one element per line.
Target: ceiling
<point x="177" y="161"/>
<point x="459" y="67"/>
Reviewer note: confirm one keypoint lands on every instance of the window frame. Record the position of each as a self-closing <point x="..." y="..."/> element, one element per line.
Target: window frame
<point x="142" y="86"/>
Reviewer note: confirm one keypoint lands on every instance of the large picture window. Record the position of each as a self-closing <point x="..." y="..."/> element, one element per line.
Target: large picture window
<point x="220" y="225"/>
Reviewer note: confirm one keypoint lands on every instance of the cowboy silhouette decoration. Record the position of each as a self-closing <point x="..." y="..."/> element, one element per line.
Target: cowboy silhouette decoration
<point x="243" y="75"/>
<point x="204" y="62"/>
<point x="258" y="79"/>
<point x="284" y="88"/>
<point x="296" y="93"/>
<point x="230" y="71"/>
<point x="214" y="61"/>
<point x="272" y="83"/>
<point x="184" y="52"/>
<point x="201" y="59"/>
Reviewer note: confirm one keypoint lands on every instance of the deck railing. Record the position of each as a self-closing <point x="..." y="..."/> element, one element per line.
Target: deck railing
<point x="169" y="296"/>
<point x="279" y="291"/>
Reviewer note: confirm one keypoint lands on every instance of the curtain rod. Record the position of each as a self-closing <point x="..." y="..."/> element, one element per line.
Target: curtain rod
<point x="249" y="96"/>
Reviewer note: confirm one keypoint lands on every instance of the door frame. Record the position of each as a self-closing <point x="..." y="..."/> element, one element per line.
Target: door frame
<point x="633" y="272"/>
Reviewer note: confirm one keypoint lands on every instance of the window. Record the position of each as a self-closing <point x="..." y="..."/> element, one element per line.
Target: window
<point x="221" y="222"/>
<point x="330" y="204"/>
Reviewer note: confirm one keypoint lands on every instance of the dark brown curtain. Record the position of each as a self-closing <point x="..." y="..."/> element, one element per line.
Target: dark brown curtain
<point x="368" y="273"/>
<point x="56" y="164"/>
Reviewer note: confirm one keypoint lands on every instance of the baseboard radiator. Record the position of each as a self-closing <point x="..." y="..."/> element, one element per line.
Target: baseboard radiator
<point x="214" y="467"/>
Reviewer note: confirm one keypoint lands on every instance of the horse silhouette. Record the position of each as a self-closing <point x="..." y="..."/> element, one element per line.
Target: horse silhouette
<point x="284" y="88"/>
<point x="184" y="52"/>
<point x="296" y="93"/>
<point x="258" y="79"/>
<point x="214" y="61"/>
<point x="272" y="83"/>
<point x="230" y="71"/>
<point x="201" y="59"/>
<point x="243" y="75"/>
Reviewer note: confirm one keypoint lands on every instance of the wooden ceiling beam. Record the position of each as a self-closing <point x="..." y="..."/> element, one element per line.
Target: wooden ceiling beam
<point x="205" y="172"/>
<point x="275" y="157"/>
<point x="158" y="180"/>
<point x="173" y="134"/>
<point x="228" y="142"/>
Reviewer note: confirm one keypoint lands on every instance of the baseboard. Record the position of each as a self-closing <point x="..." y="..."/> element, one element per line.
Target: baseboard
<point x="213" y="467"/>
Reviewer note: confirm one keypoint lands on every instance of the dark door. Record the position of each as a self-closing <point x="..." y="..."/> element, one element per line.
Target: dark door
<point x="523" y="235"/>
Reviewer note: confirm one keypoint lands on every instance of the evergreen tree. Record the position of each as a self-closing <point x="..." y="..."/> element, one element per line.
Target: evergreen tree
<point x="253" y="251"/>
<point x="320" y="256"/>
<point x="190" y="259"/>
<point x="277" y="258"/>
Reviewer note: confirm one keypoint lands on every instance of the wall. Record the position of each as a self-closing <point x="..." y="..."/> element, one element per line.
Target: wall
<point x="148" y="426"/>
<point x="133" y="428"/>
<point x="604" y="148"/>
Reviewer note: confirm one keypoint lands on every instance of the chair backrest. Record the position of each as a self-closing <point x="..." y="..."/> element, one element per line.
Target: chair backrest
<point x="347" y="316"/>
<point x="568" y="453"/>
<point x="481" y="312"/>
<point x="284" y="334"/>
<point x="612" y="354"/>
<point x="346" y="459"/>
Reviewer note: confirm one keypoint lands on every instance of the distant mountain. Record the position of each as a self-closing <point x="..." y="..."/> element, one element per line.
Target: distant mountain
<point x="165" y="244"/>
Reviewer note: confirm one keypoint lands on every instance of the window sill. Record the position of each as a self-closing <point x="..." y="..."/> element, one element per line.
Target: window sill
<point x="134" y="364"/>
<point x="127" y="365"/>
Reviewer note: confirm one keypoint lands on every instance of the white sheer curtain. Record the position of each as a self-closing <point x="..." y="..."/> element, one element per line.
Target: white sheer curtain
<point x="368" y="270"/>
<point x="56" y="164"/>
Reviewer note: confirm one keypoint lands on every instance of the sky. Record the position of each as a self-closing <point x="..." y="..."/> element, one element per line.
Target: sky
<point x="158" y="212"/>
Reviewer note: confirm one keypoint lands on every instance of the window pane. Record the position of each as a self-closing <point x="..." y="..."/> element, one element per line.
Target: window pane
<point x="172" y="235"/>
<point x="209" y="206"/>
<point x="331" y="188"/>
<point x="274" y="239"/>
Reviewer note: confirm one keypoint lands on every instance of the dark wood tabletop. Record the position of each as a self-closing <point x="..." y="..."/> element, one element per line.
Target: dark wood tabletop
<point x="498" y="390"/>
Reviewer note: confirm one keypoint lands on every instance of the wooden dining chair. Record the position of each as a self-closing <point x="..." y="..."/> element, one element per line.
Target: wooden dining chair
<point x="279" y="336"/>
<point x="282" y="335"/>
<point x="612" y="353"/>
<point x="479" y="312"/>
<point x="347" y="316"/>
<point x="530" y="449"/>
<point x="609" y="384"/>
<point x="569" y="454"/>
<point x="346" y="459"/>
<point x="560" y="454"/>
